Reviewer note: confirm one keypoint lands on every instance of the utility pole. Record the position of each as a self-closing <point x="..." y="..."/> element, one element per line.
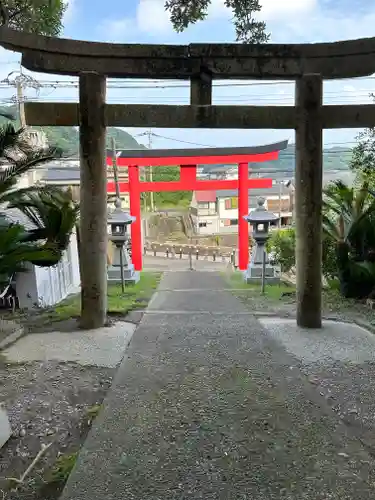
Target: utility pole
<point x="280" y="201"/>
<point x="20" y="102"/>
<point x="114" y="166"/>
<point x="21" y="81"/>
<point x="149" y="134"/>
<point x="150" y="172"/>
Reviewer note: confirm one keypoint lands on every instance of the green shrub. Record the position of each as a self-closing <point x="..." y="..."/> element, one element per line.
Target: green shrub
<point x="282" y="244"/>
<point x="330" y="268"/>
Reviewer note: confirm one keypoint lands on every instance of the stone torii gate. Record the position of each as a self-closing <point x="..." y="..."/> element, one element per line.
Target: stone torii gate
<point x="307" y="64"/>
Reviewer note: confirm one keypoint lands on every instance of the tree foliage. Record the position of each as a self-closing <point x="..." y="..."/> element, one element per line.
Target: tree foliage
<point x="282" y="244"/>
<point x="170" y="198"/>
<point x="50" y="211"/>
<point x="349" y="224"/>
<point x="183" y="13"/>
<point x="363" y="156"/>
<point x="35" y="16"/>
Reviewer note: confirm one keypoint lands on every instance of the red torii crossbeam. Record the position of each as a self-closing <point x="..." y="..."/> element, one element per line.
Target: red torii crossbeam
<point x="188" y="159"/>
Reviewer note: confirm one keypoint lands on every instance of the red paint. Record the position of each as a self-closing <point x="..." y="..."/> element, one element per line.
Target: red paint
<point x="122" y="161"/>
<point x="191" y="185"/>
<point x="205" y="196"/>
<point x="189" y="182"/>
<point x="135" y="210"/>
<point x="243" y="209"/>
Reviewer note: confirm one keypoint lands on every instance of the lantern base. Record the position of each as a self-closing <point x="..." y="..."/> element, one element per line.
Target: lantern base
<point x="253" y="274"/>
<point x="130" y="275"/>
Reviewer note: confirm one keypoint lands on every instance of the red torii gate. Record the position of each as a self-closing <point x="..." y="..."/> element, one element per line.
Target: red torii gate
<point x="188" y="159"/>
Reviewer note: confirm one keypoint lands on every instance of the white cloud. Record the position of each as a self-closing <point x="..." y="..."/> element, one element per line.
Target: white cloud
<point x="271" y="9"/>
<point x="324" y="25"/>
<point x="70" y="11"/>
<point x="150" y="18"/>
<point x="274" y="9"/>
<point x="218" y="9"/>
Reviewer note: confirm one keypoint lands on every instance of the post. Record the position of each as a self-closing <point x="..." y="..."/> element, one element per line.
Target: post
<point x="135" y="210"/>
<point x="21" y="103"/>
<point x="201" y="90"/>
<point x="122" y="269"/>
<point x="263" y="289"/>
<point x="308" y="200"/>
<point x="243" y="209"/>
<point x="93" y="200"/>
<point x="280" y="202"/>
<point x="114" y="166"/>
<point x="152" y="204"/>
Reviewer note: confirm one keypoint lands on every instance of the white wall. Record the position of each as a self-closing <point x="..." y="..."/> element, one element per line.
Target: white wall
<point x="212" y="224"/>
<point x="54" y="284"/>
<point x="224" y="213"/>
<point x="26" y="287"/>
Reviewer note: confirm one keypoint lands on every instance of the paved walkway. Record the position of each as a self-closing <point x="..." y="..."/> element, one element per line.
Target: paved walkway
<point x="206" y="405"/>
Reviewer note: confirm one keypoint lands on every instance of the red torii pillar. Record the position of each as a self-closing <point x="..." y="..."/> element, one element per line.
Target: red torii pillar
<point x="243" y="210"/>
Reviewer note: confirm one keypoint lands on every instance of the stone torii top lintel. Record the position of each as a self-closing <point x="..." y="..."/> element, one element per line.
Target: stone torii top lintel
<point x="342" y="59"/>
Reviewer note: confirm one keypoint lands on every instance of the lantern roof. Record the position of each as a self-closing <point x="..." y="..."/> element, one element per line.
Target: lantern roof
<point x="119" y="216"/>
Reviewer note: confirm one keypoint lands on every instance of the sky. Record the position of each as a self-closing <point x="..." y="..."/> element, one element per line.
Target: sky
<point x="145" y="21"/>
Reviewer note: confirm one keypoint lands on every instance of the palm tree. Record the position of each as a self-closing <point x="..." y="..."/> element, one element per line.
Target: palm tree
<point x="349" y="221"/>
<point x="348" y="216"/>
<point x="51" y="211"/>
<point x="53" y="214"/>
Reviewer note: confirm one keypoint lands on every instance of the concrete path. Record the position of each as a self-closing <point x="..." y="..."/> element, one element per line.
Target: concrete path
<point x="207" y="405"/>
<point x="163" y="264"/>
<point x="102" y="347"/>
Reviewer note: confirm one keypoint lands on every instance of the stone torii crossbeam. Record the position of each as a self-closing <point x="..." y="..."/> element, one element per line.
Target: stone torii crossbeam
<point x="307" y="64"/>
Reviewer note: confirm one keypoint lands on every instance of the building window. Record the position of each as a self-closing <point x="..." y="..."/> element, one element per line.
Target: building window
<point x="234" y="222"/>
<point x="203" y="224"/>
<point x="231" y="203"/>
<point x="203" y="205"/>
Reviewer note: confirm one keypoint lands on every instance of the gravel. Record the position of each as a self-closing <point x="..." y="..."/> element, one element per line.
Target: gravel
<point x="46" y="402"/>
<point x="209" y="406"/>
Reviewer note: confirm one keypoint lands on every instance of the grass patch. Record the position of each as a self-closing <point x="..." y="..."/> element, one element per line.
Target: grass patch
<point x="63" y="467"/>
<point x="272" y="291"/>
<point x="119" y="303"/>
<point x="281" y="298"/>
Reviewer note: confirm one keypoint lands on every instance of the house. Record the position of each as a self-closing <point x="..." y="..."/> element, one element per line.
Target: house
<point x="215" y="171"/>
<point x="67" y="173"/>
<point x="216" y="212"/>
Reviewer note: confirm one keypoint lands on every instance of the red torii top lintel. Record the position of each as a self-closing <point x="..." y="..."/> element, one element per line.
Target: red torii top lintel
<point x="188" y="159"/>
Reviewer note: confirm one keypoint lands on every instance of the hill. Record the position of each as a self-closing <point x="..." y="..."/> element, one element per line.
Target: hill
<point x="334" y="159"/>
<point x="67" y="138"/>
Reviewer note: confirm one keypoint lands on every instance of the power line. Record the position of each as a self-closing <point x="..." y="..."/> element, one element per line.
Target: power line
<point x="149" y="84"/>
<point x="137" y="85"/>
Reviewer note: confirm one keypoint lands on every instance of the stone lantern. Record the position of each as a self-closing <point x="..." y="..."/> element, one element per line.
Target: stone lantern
<point x="121" y="269"/>
<point x="260" y="219"/>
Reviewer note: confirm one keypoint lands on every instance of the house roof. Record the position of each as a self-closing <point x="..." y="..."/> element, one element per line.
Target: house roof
<point x="15" y="216"/>
<point x="205" y="196"/>
<point x="61" y="171"/>
<point x="254" y="194"/>
<point x="272" y="191"/>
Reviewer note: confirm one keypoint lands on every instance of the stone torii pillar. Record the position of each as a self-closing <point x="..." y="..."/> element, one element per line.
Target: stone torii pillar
<point x="93" y="200"/>
<point x="308" y="200"/>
